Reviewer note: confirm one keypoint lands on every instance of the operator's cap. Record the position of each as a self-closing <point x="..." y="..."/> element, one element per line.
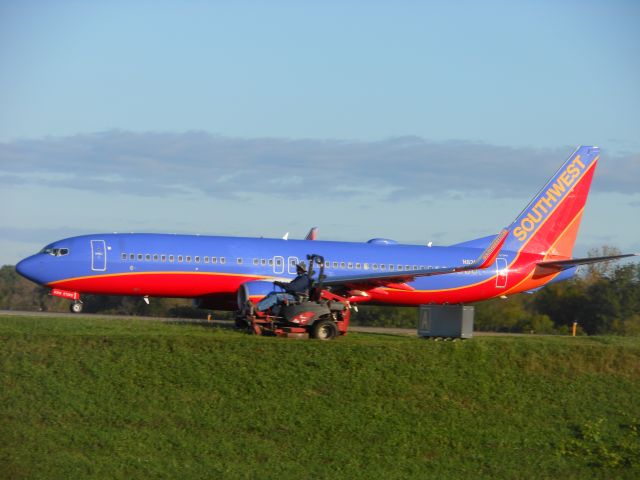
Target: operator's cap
<point x="301" y="267"/>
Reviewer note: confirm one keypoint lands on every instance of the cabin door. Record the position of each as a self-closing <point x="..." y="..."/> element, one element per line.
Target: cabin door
<point x="98" y="255"/>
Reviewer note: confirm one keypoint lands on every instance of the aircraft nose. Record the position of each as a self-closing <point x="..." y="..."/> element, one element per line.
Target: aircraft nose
<point x="29" y="268"/>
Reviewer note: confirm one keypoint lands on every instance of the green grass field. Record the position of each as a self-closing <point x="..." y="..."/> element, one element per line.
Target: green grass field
<point x="91" y="398"/>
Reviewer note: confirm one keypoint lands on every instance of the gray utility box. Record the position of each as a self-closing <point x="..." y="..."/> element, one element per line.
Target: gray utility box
<point x="447" y="321"/>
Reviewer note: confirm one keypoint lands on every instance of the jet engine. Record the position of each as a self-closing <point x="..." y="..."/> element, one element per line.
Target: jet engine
<point x="255" y="290"/>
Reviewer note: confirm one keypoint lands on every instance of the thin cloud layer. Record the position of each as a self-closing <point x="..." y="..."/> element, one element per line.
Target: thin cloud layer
<point x="159" y="164"/>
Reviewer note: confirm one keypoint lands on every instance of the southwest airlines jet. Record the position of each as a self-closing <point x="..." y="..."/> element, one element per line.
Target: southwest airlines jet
<point x="533" y="251"/>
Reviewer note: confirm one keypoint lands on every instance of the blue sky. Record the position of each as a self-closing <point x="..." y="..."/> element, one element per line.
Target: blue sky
<point x="417" y="121"/>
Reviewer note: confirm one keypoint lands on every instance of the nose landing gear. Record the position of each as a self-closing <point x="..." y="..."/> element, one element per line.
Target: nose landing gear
<point x="76" y="307"/>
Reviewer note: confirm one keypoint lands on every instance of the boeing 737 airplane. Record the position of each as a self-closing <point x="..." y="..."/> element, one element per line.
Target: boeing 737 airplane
<point x="535" y="250"/>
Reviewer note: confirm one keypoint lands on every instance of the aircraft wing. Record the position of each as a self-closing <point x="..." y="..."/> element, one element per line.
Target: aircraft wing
<point x="574" y="262"/>
<point x="378" y="279"/>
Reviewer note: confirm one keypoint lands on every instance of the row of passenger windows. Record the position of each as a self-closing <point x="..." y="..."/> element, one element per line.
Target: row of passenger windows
<point x="148" y="257"/>
<point x="374" y="266"/>
<point x="383" y="267"/>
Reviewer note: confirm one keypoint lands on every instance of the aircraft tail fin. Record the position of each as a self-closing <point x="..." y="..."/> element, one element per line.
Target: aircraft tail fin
<point x="313" y="233"/>
<point x="549" y="223"/>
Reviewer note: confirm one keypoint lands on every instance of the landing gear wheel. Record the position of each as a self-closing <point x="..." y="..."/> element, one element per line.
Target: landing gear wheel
<point x="76" y="307"/>
<point x="324" y="330"/>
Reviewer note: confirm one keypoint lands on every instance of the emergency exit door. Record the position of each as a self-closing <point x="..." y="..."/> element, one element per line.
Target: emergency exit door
<point x="98" y="255"/>
<point x="292" y="262"/>
<point x="501" y="272"/>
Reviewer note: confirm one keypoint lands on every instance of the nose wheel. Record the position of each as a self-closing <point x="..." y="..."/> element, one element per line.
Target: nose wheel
<point x="76" y="307"/>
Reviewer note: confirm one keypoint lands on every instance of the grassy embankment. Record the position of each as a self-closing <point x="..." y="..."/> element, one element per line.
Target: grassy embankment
<point x="120" y="399"/>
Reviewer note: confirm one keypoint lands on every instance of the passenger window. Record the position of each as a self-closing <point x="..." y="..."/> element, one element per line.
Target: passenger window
<point x="350" y="265"/>
<point x="180" y="258"/>
<point x="140" y="257"/>
<point x="399" y="267"/>
<point x="366" y="266"/>
<point x="188" y="259"/>
<point x="256" y="261"/>
<point x="214" y="260"/>
<point x="279" y="262"/>
<point x="123" y="256"/>
<point x="163" y="258"/>
<point x="223" y="260"/>
<point x="375" y="266"/>
<point x="271" y="261"/>
<point x="383" y="266"/>
<point x="206" y="259"/>
<point x="171" y="258"/>
<point x="335" y="264"/>
<point x="263" y="261"/>
<point x="197" y="259"/>
<point x="390" y="268"/>
<point x="156" y="257"/>
<point x="239" y="261"/>
<point x="343" y="265"/>
<point x="132" y="256"/>
<point x="358" y="266"/>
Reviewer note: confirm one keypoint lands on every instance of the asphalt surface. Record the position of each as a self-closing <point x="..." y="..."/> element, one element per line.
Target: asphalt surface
<point x="407" y="332"/>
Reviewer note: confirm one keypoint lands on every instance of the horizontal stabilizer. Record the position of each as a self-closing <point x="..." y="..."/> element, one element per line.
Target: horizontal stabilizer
<point x="574" y="262"/>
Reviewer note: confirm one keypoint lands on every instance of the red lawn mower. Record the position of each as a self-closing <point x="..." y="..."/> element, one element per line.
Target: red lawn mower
<point x="316" y="313"/>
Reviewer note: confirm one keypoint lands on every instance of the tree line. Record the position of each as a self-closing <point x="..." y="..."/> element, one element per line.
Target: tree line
<point x="603" y="299"/>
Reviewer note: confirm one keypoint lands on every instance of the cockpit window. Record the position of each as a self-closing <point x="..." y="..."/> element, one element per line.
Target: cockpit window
<point x="56" y="252"/>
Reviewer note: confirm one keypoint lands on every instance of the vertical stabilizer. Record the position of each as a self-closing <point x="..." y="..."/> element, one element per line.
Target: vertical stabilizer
<point x="549" y="224"/>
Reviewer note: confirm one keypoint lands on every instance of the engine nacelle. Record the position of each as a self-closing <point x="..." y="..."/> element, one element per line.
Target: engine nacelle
<point x="255" y="291"/>
<point x="217" y="302"/>
<point x="382" y="241"/>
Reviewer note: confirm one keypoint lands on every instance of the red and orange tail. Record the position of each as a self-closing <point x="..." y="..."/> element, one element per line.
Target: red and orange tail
<point x="549" y="224"/>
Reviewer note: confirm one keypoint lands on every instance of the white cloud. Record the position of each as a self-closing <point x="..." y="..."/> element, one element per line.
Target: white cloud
<point x="154" y="164"/>
<point x="409" y="189"/>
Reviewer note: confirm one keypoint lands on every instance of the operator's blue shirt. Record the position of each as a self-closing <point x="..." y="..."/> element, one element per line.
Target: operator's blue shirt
<point x="300" y="284"/>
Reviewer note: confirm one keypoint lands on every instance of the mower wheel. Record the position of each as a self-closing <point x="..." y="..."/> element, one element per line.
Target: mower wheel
<point x="241" y="324"/>
<point x="324" y="330"/>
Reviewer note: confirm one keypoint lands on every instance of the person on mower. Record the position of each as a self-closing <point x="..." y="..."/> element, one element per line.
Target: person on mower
<point x="300" y="284"/>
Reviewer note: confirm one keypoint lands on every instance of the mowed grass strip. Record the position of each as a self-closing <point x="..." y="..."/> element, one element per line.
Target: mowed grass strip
<point x="92" y="398"/>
